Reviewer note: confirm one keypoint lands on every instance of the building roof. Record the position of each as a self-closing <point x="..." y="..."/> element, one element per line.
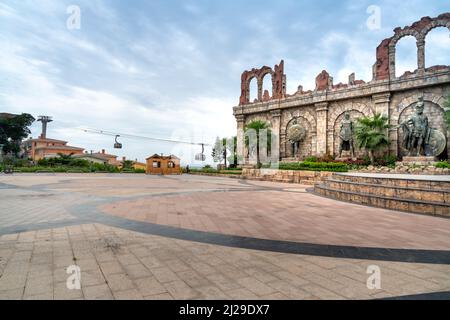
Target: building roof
<point x="163" y="157"/>
<point x="45" y="140"/>
<point x="104" y="155"/>
<point x="60" y="148"/>
<point x="89" y="155"/>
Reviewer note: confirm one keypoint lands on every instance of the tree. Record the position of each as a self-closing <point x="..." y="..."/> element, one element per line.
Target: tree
<point x="65" y="158"/>
<point x="370" y="134"/>
<point x="219" y="152"/>
<point x="13" y="129"/>
<point x="232" y="151"/>
<point x="127" y="164"/>
<point x="258" y="126"/>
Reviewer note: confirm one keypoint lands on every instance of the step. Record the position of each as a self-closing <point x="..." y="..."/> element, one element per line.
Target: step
<point x="393" y="203"/>
<point x="399" y="192"/>
<point x="398" y="180"/>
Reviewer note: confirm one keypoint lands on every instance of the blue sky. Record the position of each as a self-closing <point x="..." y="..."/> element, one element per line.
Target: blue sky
<point x="171" y="68"/>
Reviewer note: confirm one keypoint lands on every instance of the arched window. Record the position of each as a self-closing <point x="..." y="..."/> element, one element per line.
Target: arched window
<point x="253" y="87"/>
<point x="437" y="47"/>
<point x="405" y="55"/>
<point x="267" y="84"/>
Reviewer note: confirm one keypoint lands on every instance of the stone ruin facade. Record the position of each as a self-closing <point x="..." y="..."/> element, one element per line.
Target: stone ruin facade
<point x="321" y="111"/>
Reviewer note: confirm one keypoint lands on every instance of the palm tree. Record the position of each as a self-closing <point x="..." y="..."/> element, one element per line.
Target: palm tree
<point x="257" y="126"/>
<point x="370" y="134"/>
<point x="65" y="158"/>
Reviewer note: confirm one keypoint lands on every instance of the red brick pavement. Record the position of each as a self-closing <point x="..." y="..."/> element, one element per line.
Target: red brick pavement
<point x="291" y="216"/>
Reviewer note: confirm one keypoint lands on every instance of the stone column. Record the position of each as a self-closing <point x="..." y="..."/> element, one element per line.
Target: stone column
<point x="321" y="134"/>
<point x="421" y="56"/>
<point x="381" y="103"/>
<point x="260" y="89"/>
<point x="240" y="144"/>
<point x="276" y="130"/>
<point x="392" y="62"/>
<point x="283" y="153"/>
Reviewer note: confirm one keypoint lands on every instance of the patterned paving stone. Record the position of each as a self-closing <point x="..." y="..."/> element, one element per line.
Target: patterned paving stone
<point x="294" y="277"/>
<point x="38" y="242"/>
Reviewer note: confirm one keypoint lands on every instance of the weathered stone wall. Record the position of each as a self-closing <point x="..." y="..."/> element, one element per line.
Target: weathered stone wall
<point x="321" y="111"/>
<point x="287" y="176"/>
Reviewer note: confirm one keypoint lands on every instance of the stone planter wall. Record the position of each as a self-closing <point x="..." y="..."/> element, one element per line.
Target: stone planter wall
<point x="287" y="176"/>
<point x="234" y="176"/>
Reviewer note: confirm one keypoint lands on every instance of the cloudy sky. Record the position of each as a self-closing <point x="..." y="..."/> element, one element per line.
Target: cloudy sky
<point x="171" y="68"/>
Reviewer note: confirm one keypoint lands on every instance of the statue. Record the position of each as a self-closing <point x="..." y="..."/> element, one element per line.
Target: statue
<point x="346" y="136"/>
<point x="416" y="131"/>
<point x="296" y="133"/>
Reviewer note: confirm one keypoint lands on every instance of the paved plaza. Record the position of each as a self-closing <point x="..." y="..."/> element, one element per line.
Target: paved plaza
<point x="195" y="237"/>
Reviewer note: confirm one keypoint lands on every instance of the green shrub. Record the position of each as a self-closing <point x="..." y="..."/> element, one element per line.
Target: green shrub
<point x="233" y="169"/>
<point x="443" y="165"/>
<point x="311" y="159"/>
<point x="315" y="166"/>
<point x="386" y="161"/>
<point x="236" y="172"/>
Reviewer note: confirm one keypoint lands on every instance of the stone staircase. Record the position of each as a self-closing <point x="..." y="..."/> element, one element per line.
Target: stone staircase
<point x="418" y="194"/>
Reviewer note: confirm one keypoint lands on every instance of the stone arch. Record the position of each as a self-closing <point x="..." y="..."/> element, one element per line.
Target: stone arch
<point x="432" y="101"/>
<point x="411" y="99"/>
<point x="363" y="108"/>
<point x="248" y="76"/>
<point x="249" y="119"/>
<point x="264" y="77"/>
<point x="404" y="33"/>
<point x="278" y="82"/>
<point x="426" y="42"/>
<point x="289" y="116"/>
<point x="406" y="56"/>
<point x="434" y="24"/>
<point x="307" y="146"/>
<point x="354" y="115"/>
<point x="253" y="84"/>
<point x="337" y="113"/>
<point x="257" y="117"/>
<point x="393" y="44"/>
<point x="418" y="30"/>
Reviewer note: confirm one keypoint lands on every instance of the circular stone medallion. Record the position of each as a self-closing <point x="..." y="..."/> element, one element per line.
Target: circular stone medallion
<point x="296" y="133"/>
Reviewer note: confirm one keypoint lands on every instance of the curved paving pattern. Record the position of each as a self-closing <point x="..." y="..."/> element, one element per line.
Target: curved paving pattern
<point x="287" y="215"/>
<point x="313" y="238"/>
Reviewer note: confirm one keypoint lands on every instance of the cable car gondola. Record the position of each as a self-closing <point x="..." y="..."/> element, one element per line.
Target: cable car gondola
<point x="201" y="156"/>
<point x="117" y="145"/>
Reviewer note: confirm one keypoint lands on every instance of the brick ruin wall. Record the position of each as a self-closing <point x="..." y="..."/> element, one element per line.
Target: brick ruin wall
<point x="321" y="111"/>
